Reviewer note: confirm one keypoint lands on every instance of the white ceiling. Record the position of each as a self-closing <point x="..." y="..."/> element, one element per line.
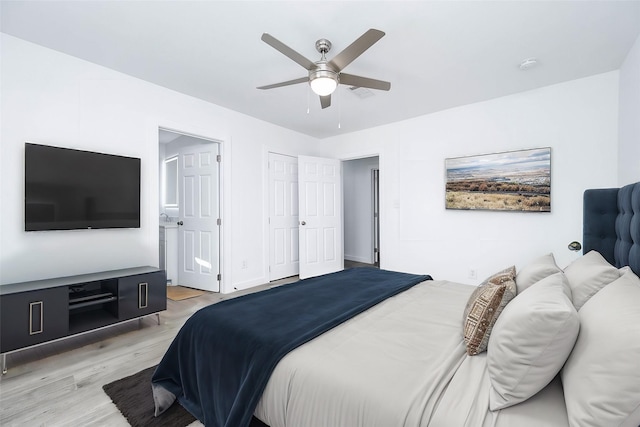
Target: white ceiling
<point x="436" y="54"/>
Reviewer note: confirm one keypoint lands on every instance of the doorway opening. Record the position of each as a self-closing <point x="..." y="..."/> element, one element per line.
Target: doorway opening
<point x="361" y="194"/>
<point x="189" y="211"/>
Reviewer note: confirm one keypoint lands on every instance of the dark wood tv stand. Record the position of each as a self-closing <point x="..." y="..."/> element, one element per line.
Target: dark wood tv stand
<point x="37" y="312"/>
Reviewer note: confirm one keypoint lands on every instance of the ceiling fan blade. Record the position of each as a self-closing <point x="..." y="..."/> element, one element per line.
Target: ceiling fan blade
<point x="355" y="49"/>
<point x="287" y="51"/>
<point x="351" y="80"/>
<point x="325" y="101"/>
<point x="287" y="83"/>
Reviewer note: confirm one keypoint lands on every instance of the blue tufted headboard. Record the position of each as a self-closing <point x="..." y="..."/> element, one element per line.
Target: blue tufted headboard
<point x="611" y="224"/>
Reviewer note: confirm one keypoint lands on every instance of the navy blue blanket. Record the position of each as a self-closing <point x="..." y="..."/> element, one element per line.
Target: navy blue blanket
<point x="221" y="360"/>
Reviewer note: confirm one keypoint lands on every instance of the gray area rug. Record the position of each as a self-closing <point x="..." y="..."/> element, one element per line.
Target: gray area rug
<point x="132" y="396"/>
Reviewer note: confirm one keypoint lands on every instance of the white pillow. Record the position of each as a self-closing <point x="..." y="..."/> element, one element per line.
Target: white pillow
<point x="530" y="341"/>
<point x="587" y="275"/>
<point x="539" y="269"/>
<point x="601" y="378"/>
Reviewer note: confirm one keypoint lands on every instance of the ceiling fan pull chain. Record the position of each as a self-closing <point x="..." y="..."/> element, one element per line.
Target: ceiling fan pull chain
<point x="339" y="107"/>
<point x="308" y="90"/>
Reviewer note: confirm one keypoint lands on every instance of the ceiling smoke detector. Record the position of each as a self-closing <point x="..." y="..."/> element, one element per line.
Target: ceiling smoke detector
<point x="528" y="63"/>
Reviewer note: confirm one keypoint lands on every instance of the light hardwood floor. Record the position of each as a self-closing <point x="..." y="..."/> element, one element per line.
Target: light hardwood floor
<point x="60" y="384"/>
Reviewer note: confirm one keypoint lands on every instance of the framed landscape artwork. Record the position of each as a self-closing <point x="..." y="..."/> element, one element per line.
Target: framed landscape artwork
<point x="509" y="181"/>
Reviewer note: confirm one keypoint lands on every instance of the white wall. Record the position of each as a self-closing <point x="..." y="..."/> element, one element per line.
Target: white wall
<point x="577" y="119"/>
<point x="629" y="120"/>
<point x="56" y="99"/>
<point x="52" y="98"/>
<point x="358" y="209"/>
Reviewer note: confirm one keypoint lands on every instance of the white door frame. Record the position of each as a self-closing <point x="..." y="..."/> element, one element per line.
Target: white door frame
<point x="375" y="189"/>
<point x="224" y="171"/>
<point x="364" y="250"/>
<point x="365" y="155"/>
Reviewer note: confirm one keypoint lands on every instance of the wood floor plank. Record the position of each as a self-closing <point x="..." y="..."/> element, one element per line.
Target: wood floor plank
<point x="30" y="400"/>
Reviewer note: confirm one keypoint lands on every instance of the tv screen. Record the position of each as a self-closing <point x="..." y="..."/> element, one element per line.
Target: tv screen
<point x="68" y="189"/>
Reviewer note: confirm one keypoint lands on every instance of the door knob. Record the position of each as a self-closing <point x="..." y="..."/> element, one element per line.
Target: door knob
<point x="180" y="223"/>
<point x="303" y="223"/>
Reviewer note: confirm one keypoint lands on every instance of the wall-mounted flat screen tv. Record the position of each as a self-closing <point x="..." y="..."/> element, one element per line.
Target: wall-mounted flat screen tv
<point x="67" y="189"/>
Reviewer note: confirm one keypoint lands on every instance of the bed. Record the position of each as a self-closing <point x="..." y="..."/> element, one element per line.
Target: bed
<point x="543" y="346"/>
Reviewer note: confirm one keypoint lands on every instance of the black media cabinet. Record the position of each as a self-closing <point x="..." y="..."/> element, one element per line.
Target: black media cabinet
<point x="37" y="312"/>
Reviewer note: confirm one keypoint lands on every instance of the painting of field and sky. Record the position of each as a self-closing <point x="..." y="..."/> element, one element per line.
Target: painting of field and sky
<point x="509" y="181"/>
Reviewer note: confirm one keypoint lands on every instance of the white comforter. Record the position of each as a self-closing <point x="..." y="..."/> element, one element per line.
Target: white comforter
<point x="401" y="363"/>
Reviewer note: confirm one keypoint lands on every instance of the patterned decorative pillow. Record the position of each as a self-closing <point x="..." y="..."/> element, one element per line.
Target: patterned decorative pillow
<point x="484" y="306"/>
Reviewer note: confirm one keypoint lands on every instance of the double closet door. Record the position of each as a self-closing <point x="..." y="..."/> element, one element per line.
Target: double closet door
<point x="305" y="216"/>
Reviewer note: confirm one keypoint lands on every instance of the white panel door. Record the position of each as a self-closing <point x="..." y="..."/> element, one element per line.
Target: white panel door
<point x="283" y="216"/>
<point x="320" y="216"/>
<point x="198" y="231"/>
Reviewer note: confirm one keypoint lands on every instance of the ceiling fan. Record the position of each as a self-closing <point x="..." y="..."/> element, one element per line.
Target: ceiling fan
<point x="324" y="76"/>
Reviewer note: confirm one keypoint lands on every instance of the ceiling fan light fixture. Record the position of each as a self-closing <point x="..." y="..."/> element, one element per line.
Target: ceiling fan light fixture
<point x="323" y="81"/>
<point x="323" y="86"/>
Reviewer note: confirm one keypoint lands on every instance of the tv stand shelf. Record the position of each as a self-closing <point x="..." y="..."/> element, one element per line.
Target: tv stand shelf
<point x="91" y="300"/>
<point x="37" y="312"/>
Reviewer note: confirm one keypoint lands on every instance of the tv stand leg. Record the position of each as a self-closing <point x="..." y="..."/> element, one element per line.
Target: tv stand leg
<point x="158" y="318"/>
<point x="4" y="363"/>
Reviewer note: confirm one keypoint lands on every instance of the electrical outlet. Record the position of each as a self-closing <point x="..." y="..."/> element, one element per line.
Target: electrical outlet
<point x="244" y="264"/>
<point x="473" y="274"/>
